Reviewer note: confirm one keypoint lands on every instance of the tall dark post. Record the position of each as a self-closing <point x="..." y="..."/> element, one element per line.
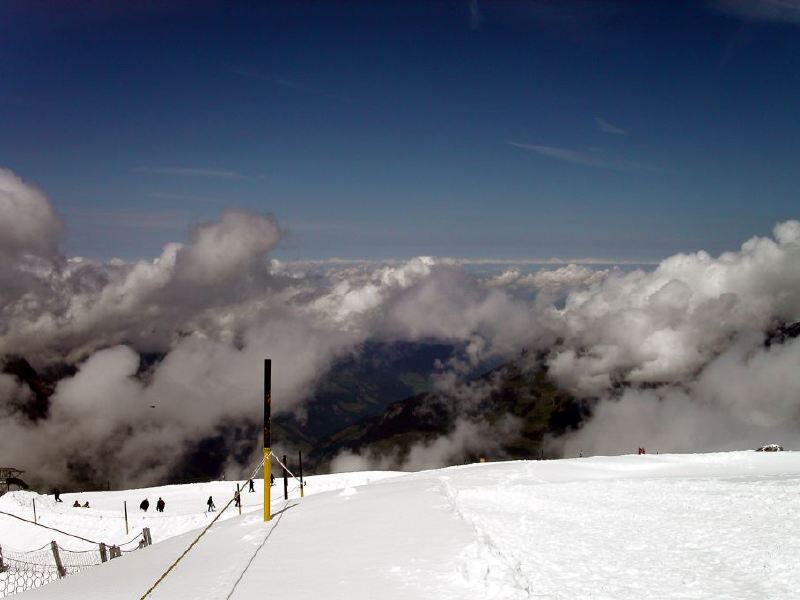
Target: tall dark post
<point x="302" y="485"/>
<point x="267" y="435"/>
<point x="285" y="480"/>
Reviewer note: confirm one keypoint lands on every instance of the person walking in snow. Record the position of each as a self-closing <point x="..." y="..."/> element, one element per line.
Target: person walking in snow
<point x="57" y="494"/>
<point x="237" y="497"/>
<point x="252" y="486"/>
<point x="76" y="504"/>
<point x="210" y="503"/>
<point x="271" y="480"/>
<point x="145" y="505"/>
<point x="160" y="504"/>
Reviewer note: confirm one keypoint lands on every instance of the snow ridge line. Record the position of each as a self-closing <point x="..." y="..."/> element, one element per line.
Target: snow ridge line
<point x="509" y="564"/>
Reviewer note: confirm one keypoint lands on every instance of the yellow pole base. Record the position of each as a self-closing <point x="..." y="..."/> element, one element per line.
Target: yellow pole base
<point x="267" y="473"/>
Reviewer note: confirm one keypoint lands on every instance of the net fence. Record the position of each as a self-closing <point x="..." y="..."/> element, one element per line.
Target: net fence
<point x="24" y="570"/>
<point x="21" y="571"/>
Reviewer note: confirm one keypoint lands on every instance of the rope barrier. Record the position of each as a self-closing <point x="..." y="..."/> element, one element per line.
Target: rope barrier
<point x="197" y="539"/>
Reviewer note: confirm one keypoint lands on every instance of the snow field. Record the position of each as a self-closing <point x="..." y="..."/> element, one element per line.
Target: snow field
<point x="647" y="527"/>
<point x="185" y="510"/>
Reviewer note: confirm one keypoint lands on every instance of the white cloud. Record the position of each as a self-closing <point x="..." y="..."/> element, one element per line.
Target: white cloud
<point x="607" y="127"/>
<point x="777" y="11"/>
<point x="193" y="172"/>
<point x="28" y="224"/>
<point x="589" y="159"/>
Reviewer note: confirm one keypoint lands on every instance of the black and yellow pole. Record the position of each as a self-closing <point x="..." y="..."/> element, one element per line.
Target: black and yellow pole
<point x="267" y="435"/>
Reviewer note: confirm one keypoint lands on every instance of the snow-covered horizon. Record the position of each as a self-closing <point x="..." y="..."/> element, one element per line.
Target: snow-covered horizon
<point x="717" y="525"/>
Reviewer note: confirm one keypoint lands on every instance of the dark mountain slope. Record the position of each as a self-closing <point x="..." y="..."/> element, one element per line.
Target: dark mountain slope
<point x="537" y="406"/>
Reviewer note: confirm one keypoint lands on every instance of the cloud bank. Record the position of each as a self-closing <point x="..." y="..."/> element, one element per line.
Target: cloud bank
<point x="674" y="356"/>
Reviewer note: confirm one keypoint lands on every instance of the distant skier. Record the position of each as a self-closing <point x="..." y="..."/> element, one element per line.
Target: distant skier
<point x="237" y="497"/>
<point x="210" y="503"/>
<point x="57" y="494"/>
<point x="252" y="486"/>
<point x="271" y="480"/>
<point x="145" y="505"/>
<point x="160" y="505"/>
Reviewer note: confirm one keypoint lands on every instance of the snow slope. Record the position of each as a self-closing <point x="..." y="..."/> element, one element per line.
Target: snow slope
<point x="629" y="527"/>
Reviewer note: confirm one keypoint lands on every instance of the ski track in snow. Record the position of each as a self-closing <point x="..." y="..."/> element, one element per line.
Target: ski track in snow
<point x="644" y="538"/>
<point x="485" y="560"/>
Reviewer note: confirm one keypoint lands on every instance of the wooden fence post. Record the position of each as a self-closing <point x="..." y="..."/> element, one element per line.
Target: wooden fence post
<point x="34" y="510"/>
<point x="239" y="499"/>
<point x="2" y="568"/>
<point x="59" y="567"/>
<point x="103" y="552"/>
<point x="147" y="539"/>
<point x="114" y="552"/>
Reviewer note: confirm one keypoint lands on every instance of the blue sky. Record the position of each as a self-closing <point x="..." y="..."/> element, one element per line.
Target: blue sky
<point x="508" y="129"/>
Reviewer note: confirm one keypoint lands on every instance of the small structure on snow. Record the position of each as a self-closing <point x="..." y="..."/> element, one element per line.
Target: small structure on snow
<point x="10" y="476"/>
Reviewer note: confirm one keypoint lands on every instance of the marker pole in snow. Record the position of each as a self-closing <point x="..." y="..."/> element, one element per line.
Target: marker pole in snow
<point x="125" y="507"/>
<point x="302" y="485"/>
<point x="285" y="480"/>
<point x="267" y="436"/>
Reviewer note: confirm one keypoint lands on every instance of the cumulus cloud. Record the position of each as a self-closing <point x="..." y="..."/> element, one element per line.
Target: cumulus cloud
<point x="665" y="325"/>
<point x="223" y="250"/>
<point x="677" y="357"/>
<point x="28" y="224"/>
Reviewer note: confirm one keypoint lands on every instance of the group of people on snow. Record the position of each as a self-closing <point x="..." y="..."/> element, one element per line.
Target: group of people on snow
<point x="76" y="504"/>
<point x="160" y="505"/>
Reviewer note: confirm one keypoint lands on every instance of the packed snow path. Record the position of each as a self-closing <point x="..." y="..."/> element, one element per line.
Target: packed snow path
<point x="631" y="527"/>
